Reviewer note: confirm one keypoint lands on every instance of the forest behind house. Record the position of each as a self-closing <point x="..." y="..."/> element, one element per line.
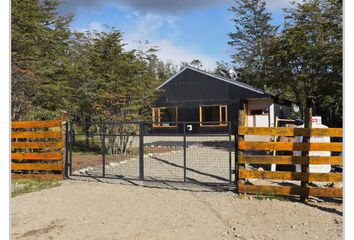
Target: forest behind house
<point x="91" y="75"/>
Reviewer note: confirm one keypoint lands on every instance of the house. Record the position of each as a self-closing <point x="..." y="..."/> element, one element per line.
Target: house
<point x="208" y="103"/>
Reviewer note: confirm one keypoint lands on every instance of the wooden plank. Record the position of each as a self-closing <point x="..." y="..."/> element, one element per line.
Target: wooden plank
<point x="37" y="166"/>
<point x="50" y="156"/>
<point x="288" y="132"/>
<point x="263" y="159"/>
<point x="297" y="176"/>
<point x="47" y="177"/>
<point x="39" y="134"/>
<point x="37" y="145"/>
<point x="264" y="189"/>
<point x="291" y="146"/>
<point x="326" y="192"/>
<point x="285" y="190"/>
<point x="36" y="124"/>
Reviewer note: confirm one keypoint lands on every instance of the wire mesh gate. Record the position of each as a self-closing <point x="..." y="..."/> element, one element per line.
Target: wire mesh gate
<point x="138" y="151"/>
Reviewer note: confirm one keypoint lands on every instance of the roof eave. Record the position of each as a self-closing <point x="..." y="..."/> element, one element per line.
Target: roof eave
<point x="176" y="74"/>
<point x="242" y="85"/>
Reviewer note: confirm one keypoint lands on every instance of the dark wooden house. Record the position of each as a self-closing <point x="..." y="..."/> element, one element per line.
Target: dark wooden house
<point x="208" y="102"/>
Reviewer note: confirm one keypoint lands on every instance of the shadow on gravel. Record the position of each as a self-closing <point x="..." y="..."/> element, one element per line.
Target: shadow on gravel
<point x="323" y="208"/>
<point x="195" y="186"/>
<point x="157" y="184"/>
<point x="191" y="169"/>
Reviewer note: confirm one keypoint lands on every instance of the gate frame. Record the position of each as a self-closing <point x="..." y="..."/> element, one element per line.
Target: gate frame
<point x="70" y="139"/>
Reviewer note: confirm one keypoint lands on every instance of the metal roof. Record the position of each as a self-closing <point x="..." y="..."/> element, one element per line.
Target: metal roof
<point x="228" y="80"/>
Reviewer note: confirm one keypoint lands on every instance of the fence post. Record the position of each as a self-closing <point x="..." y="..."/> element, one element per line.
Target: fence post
<point x="305" y="167"/>
<point x="230" y="158"/>
<point x="241" y="122"/>
<point x="71" y="139"/>
<point x="184" y="154"/>
<point x="141" y="151"/>
<point x="66" y="150"/>
<point x="103" y="129"/>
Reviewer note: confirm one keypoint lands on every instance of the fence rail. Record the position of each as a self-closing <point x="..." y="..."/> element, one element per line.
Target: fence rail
<point x="37" y="150"/>
<point x="290" y="132"/>
<point x="285" y="190"/>
<point x="259" y="159"/>
<point x="291" y="146"/>
<point x="248" y="146"/>
<point x="36" y="124"/>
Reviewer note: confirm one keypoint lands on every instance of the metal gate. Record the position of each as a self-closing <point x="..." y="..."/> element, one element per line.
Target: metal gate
<point x="140" y="151"/>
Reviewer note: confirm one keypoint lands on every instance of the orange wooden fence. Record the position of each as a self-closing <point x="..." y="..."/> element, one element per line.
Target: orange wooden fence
<point x="243" y="159"/>
<point x="37" y="150"/>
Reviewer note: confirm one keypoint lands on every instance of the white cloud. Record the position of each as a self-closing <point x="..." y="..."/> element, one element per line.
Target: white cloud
<point x="169" y="51"/>
<point x="99" y="27"/>
<point x="94" y="26"/>
<point x="150" y="24"/>
<point x="279" y="4"/>
<point x="149" y="28"/>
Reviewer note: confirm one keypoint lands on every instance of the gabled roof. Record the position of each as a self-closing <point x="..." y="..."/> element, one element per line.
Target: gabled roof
<point x="221" y="78"/>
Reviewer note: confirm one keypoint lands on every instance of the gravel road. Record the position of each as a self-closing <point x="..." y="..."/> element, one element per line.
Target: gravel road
<point x="135" y="210"/>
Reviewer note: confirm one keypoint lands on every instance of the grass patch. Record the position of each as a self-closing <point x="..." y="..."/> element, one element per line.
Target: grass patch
<point x="27" y="185"/>
<point x="130" y="151"/>
<point x="84" y="153"/>
<point x="270" y="196"/>
<point x="92" y="147"/>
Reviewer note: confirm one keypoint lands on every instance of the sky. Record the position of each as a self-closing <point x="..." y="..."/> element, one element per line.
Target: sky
<point x="182" y="30"/>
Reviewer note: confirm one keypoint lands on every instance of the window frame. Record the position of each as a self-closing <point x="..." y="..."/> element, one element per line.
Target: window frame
<point x="158" y="117"/>
<point x="221" y="124"/>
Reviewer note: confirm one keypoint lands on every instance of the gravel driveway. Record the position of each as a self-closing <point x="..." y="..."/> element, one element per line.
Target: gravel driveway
<point x="123" y="210"/>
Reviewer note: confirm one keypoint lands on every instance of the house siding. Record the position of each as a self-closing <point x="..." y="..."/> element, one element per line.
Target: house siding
<point x="190" y="89"/>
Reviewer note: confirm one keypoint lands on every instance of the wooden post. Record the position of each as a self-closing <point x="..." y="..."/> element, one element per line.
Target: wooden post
<point x="273" y="167"/>
<point x="241" y="122"/>
<point x="64" y="140"/>
<point x="305" y="167"/>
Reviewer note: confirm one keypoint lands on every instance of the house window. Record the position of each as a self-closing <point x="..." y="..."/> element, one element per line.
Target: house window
<point x="164" y="117"/>
<point x="213" y="115"/>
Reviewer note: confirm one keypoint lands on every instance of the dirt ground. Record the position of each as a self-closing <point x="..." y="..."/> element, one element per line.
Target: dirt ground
<point x="136" y="210"/>
<point x="84" y="160"/>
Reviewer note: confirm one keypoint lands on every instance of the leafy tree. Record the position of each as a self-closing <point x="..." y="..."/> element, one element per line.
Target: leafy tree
<point x="112" y="84"/>
<point x="304" y="59"/>
<point x="196" y="63"/>
<point x="90" y="75"/>
<point x="307" y="57"/>
<point x="38" y="58"/>
<point x="226" y="70"/>
<point x="162" y="70"/>
<point x="252" y="35"/>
